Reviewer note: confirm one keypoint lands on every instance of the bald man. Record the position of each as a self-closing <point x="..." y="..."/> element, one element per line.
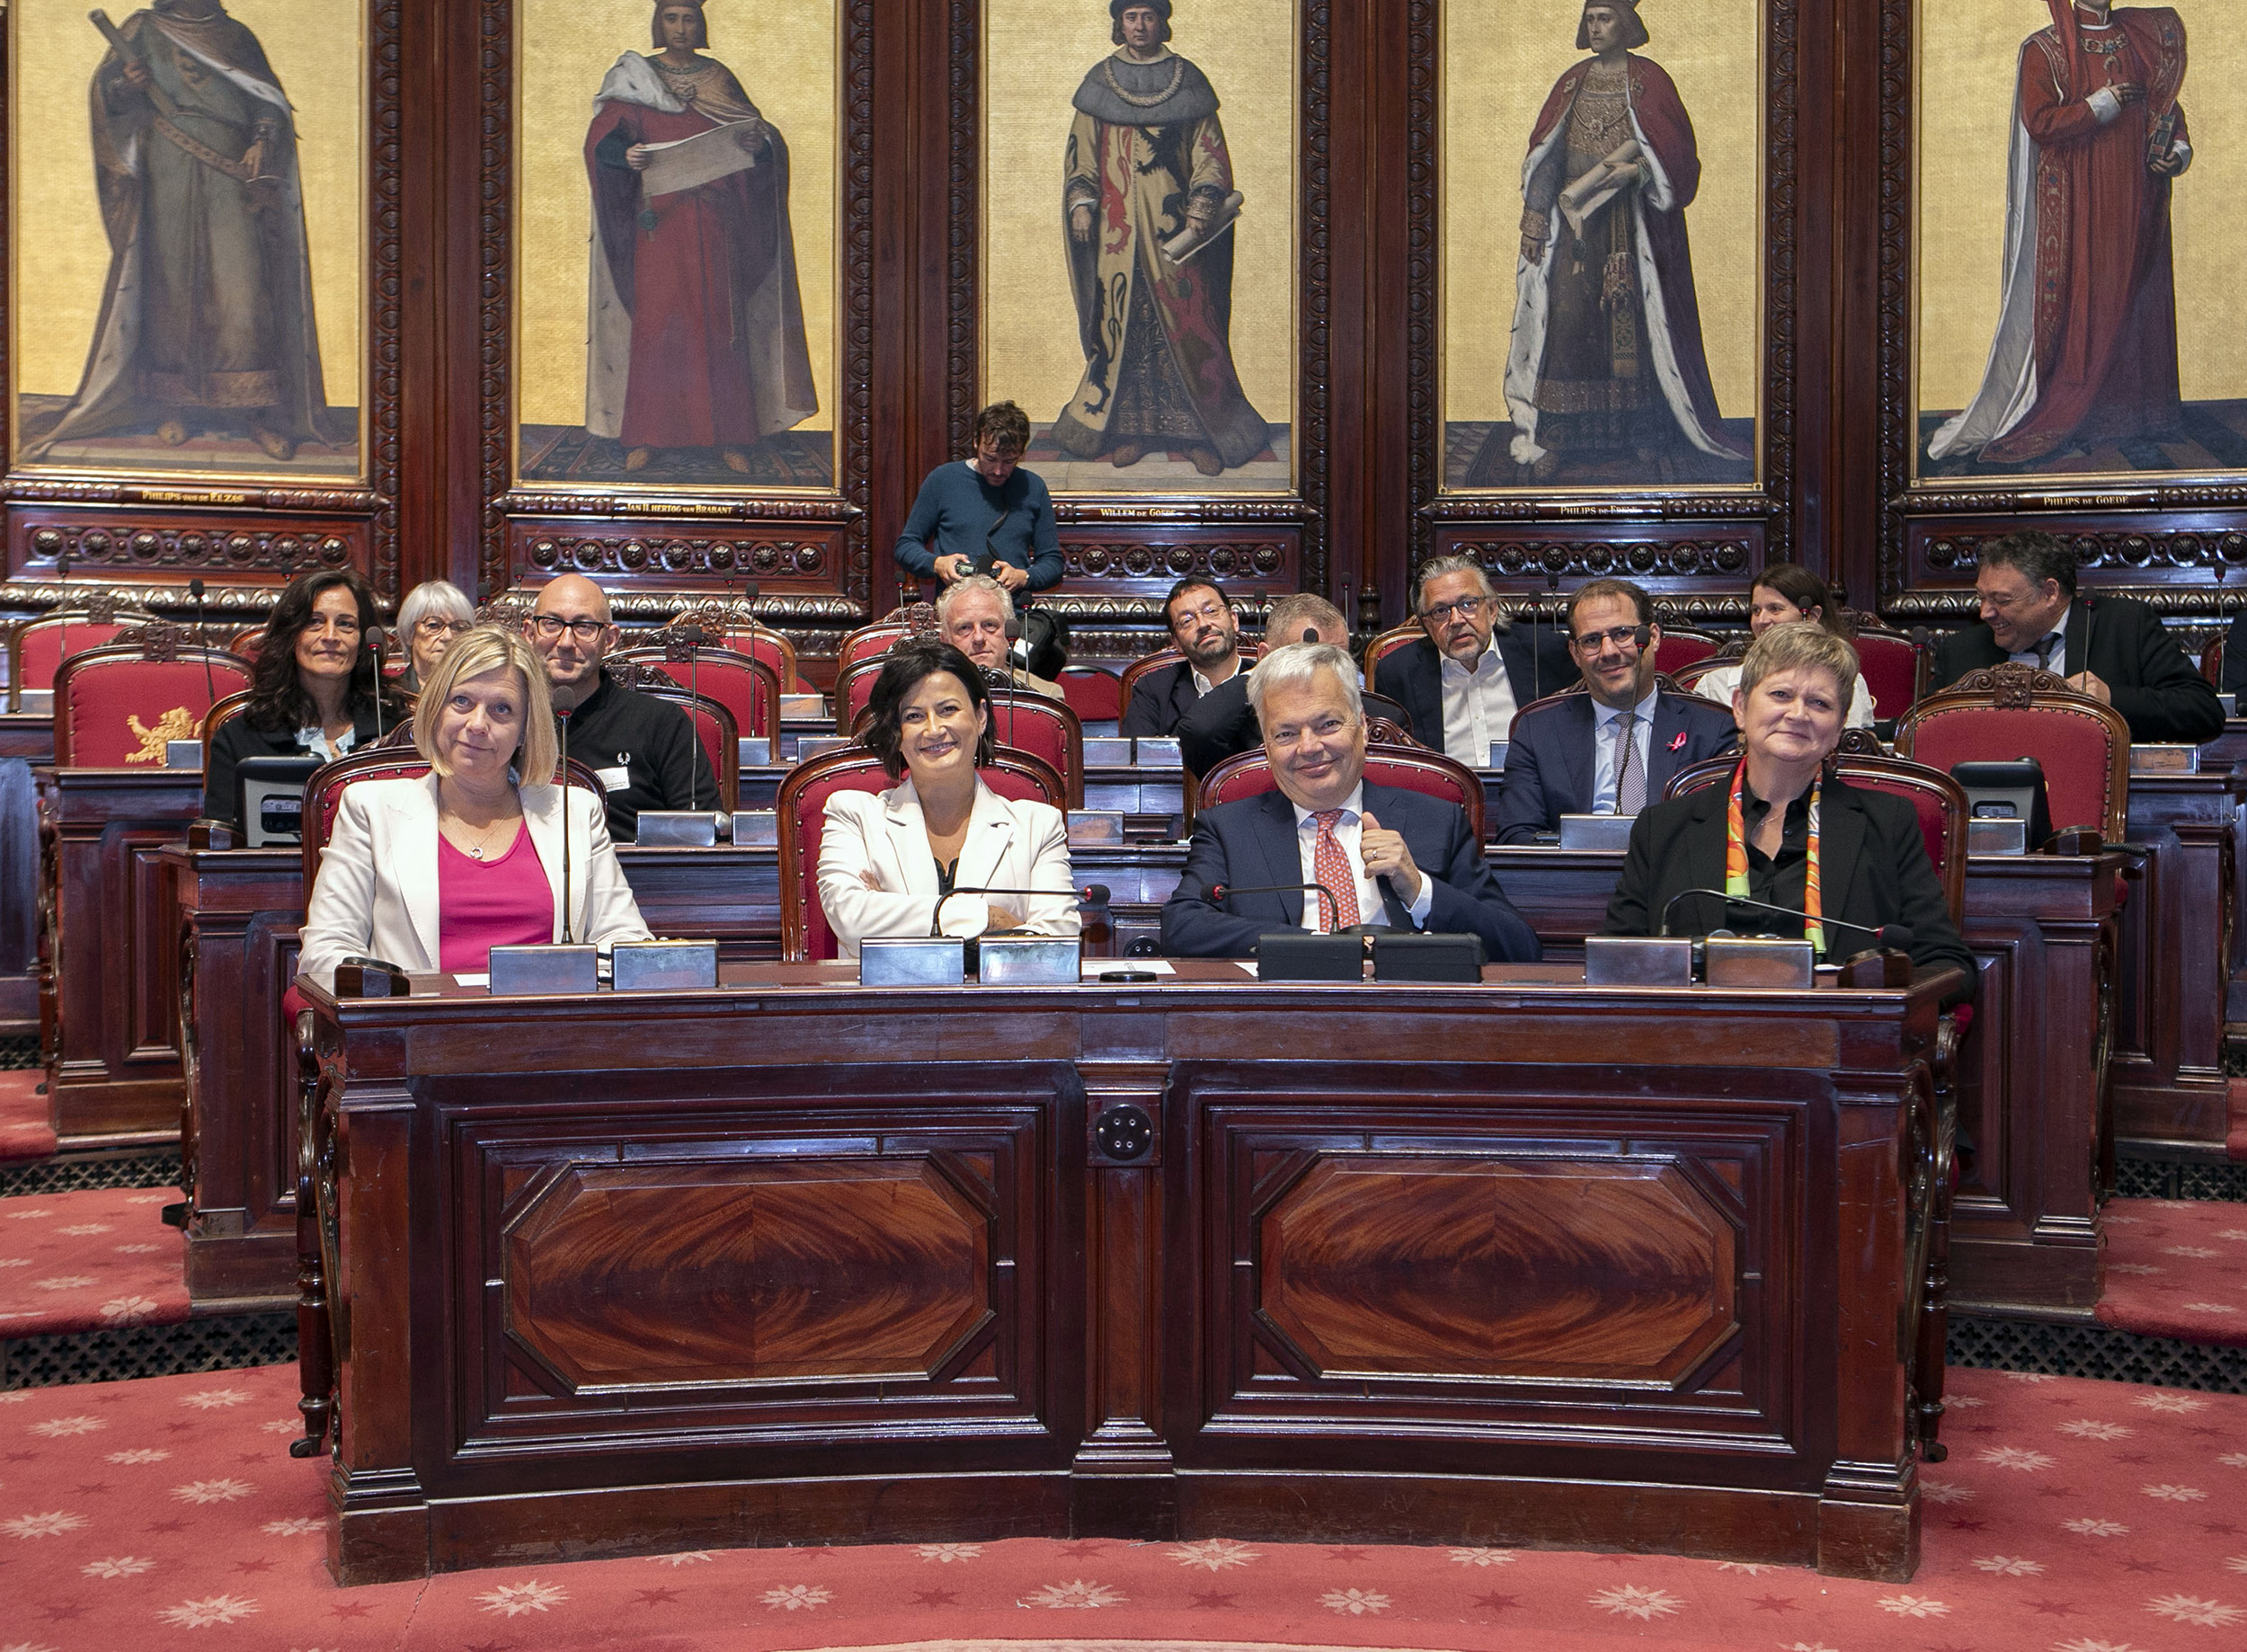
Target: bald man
<point x="644" y="749"/>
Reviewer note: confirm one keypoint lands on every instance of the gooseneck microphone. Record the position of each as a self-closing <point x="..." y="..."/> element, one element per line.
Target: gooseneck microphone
<point x="1220" y="893"/>
<point x="374" y="649"/>
<point x="62" y="607"/>
<point x="202" y="644"/>
<point x="564" y="715"/>
<point x="1091" y="894"/>
<point x="1891" y="938"/>
<point x="695" y="637"/>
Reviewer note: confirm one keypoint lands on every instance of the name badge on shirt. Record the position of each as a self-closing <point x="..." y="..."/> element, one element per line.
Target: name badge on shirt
<point x="613" y="780"/>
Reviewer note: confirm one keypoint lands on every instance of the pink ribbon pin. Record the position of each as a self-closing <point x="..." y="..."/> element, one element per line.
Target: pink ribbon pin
<point x="1679" y="743"/>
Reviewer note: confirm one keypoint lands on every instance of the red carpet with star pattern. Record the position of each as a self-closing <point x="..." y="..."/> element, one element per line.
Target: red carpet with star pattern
<point x="2072" y="1516"/>
<point x="2176" y="1267"/>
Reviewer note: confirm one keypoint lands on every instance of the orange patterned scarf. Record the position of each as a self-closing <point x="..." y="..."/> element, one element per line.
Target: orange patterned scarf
<point x="1735" y="855"/>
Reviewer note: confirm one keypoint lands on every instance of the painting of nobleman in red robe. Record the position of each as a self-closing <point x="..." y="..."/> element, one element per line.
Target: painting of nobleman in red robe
<point x="1607" y="379"/>
<point x="697" y="349"/>
<point x="2085" y="356"/>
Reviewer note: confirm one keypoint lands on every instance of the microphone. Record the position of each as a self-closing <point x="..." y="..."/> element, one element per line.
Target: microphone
<point x="373" y="646"/>
<point x="567" y="940"/>
<point x="1091" y="894"/>
<point x="202" y="644"/>
<point x="1892" y="937"/>
<point x="62" y="604"/>
<point x="694" y="636"/>
<point x="1220" y="893"/>
<point x="1311" y="634"/>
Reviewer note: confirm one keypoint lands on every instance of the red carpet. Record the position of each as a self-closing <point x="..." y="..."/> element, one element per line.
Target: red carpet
<point x="2176" y="1267"/>
<point x="79" y="1261"/>
<point x="2235" y="1140"/>
<point x="25" y="1131"/>
<point x="2074" y="1516"/>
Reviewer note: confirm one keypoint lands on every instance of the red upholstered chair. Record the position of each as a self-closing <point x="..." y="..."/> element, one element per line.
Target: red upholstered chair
<point x="714" y="724"/>
<point x="2212" y="661"/>
<point x="1160" y="658"/>
<point x="2014" y="711"/>
<point x="1682" y="647"/>
<point x="732" y="628"/>
<point x="854" y="687"/>
<point x="748" y="686"/>
<point x="1388" y="642"/>
<point x="804" y="937"/>
<point x="1026" y="720"/>
<point x="37" y="647"/>
<point x="1688" y="677"/>
<point x="116" y="706"/>
<point x="1094" y="695"/>
<point x="1406" y="767"/>
<point x="763" y="644"/>
<point x="918" y="618"/>
<point x="246" y="641"/>
<point x="1894" y="670"/>
<point x="219" y="715"/>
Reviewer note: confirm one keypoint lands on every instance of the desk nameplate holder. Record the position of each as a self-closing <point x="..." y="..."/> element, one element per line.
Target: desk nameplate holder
<point x="665" y="966"/>
<point x="678" y="829"/>
<point x="36" y="702"/>
<point x="1995" y="835"/>
<point x="543" y="972"/>
<point x="809" y="746"/>
<point x="803" y="707"/>
<point x="1095" y="827"/>
<point x="756" y="829"/>
<point x="2164" y="759"/>
<point x="1030" y="960"/>
<point x="1638" y="961"/>
<point x="182" y="754"/>
<point x="1497" y="756"/>
<point x="1107" y="751"/>
<point x="755" y="750"/>
<point x="1595" y="831"/>
<point x="1742" y="962"/>
<point x="932" y="961"/>
<point x="1158" y="753"/>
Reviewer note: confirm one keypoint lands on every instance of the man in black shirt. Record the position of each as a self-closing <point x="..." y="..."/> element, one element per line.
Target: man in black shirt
<point x="642" y="749"/>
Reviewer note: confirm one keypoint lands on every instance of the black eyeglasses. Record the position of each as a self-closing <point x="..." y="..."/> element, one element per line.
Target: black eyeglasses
<point x="1466" y="608"/>
<point x="552" y="626"/>
<point x="1629" y="638"/>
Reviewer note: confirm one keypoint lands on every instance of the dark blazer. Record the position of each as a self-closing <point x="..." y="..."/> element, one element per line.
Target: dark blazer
<point x="2157" y="689"/>
<point x="2235" y="655"/>
<point x="1160" y="698"/>
<point x="1552" y="770"/>
<point x="1874" y="871"/>
<point x="1537" y="663"/>
<point x="1253" y="842"/>
<point x="1221" y="724"/>
<point x="239" y="738"/>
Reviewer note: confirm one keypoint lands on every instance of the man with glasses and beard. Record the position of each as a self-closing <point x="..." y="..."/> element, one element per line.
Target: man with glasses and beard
<point x="644" y="749"/>
<point x="1612" y="748"/>
<point x="1464" y="682"/>
<point x="1203" y="625"/>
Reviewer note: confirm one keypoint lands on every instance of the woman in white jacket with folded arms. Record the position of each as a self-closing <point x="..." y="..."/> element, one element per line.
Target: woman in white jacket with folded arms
<point x="888" y="861"/>
<point x="431" y="873"/>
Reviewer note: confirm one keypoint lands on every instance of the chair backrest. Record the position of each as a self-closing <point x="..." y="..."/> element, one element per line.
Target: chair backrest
<point x="2212" y="661"/>
<point x="2013" y="711"/>
<point x="1388" y="642"/>
<point x="1027" y="721"/>
<point x="1405" y="767"/>
<point x="247" y="641"/>
<point x="801" y="805"/>
<point x="1682" y="648"/>
<point x="219" y="715"/>
<point x="36" y="647"/>
<point x="736" y="631"/>
<point x="714" y="724"/>
<point x="870" y="642"/>
<point x="1939" y="801"/>
<point x="324" y="792"/>
<point x="1894" y="670"/>
<point x="116" y="706"/>
<point x="1095" y="694"/>
<point x="1688" y="677"/>
<point x="748" y="686"/>
<point x="1162" y="657"/>
<point x="854" y="690"/>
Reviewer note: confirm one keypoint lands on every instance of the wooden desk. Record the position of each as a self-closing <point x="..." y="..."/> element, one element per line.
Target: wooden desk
<point x="2169" y="1090"/>
<point x="1634" y="1269"/>
<point x="30" y="735"/>
<point x="2032" y="1099"/>
<point x="109" y="980"/>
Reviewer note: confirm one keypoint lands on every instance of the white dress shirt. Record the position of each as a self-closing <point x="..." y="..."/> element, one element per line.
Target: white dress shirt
<point x="1478" y="707"/>
<point x="1604" y="749"/>
<point x="2028" y="656"/>
<point x="1349" y="832"/>
<point x="1203" y="685"/>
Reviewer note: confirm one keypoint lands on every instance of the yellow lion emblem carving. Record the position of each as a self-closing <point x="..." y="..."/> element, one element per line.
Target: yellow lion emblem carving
<point x="177" y="724"/>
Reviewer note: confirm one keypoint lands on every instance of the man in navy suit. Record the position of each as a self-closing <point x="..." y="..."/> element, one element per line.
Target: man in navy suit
<point x="1386" y="856"/>
<point x="1203" y="625"/>
<point x="1463" y="682"/>
<point x="1613" y="749"/>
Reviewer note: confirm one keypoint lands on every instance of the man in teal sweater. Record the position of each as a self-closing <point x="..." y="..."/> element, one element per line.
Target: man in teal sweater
<point x="985" y="515"/>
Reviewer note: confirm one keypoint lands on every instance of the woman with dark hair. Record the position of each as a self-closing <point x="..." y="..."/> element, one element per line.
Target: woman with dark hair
<point x="889" y="862"/>
<point x="315" y="689"/>
<point x="1784" y="593"/>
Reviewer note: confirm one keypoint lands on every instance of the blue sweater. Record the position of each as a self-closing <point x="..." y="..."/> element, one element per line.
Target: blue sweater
<point x="956" y="509"/>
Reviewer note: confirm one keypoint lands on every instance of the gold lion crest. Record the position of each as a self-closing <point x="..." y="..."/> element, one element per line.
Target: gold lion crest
<point x="177" y="724"/>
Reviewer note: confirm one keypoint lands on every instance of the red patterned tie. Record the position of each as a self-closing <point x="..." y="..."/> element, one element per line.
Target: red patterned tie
<point x="1332" y="869"/>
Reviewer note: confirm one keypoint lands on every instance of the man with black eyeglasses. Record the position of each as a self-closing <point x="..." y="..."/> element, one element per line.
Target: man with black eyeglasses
<point x="1612" y="748"/>
<point x="642" y="749"/>
<point x="1203" y="625"/>
<point x="1464" y="682"/>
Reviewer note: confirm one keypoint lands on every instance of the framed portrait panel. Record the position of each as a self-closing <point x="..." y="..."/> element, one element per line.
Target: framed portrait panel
<point x="2054" y="334"/>
<point x="678" y="312"/>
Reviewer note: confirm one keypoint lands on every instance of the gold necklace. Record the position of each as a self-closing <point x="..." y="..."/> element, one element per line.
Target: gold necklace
<point x="1177" y="79"/>
<point x="483" y="839"/>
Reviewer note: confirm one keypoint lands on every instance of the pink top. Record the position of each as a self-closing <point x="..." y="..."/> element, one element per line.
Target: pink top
<point x="486" y="904"/>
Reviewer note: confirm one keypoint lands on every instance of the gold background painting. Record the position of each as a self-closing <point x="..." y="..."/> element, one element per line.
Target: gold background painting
<point x="1500" y="58"/>
<point x="316" y="49"/>
<point x="1036" y="53"/>
<point x="784" y="53"/>
<point x="1969" y="63"/>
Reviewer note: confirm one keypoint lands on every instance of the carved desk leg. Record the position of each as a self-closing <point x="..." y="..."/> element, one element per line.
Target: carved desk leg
<point x="316" y="1345"/>
<point x="1934" y="1323"/>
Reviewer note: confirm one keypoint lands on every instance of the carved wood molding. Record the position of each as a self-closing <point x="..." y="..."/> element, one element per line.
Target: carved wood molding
<point x="848" y="566"/>
<point x="1693" y="556"/>
<point x="1225" y="559"/>
<point x="214" y="546"/>
<point x="622" y="554"/>
<point x="199" y="548"/>
<point x="1941" y="555"/>
<point x="1773" y="503"/>
<point x="962" y="258"/>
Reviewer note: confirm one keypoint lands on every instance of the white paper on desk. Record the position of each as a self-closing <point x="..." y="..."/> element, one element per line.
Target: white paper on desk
<point x="692" y="161"/>
<point x="1095" y="968"/>
<point x="1248" y="965"/>
<point x="484" y="979"/>
<point x="1581" y="199"/>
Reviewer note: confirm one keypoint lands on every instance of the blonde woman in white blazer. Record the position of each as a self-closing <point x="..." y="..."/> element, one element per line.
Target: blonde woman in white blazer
<point x="431" y="873"/>
<point x="886" y="861"/>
